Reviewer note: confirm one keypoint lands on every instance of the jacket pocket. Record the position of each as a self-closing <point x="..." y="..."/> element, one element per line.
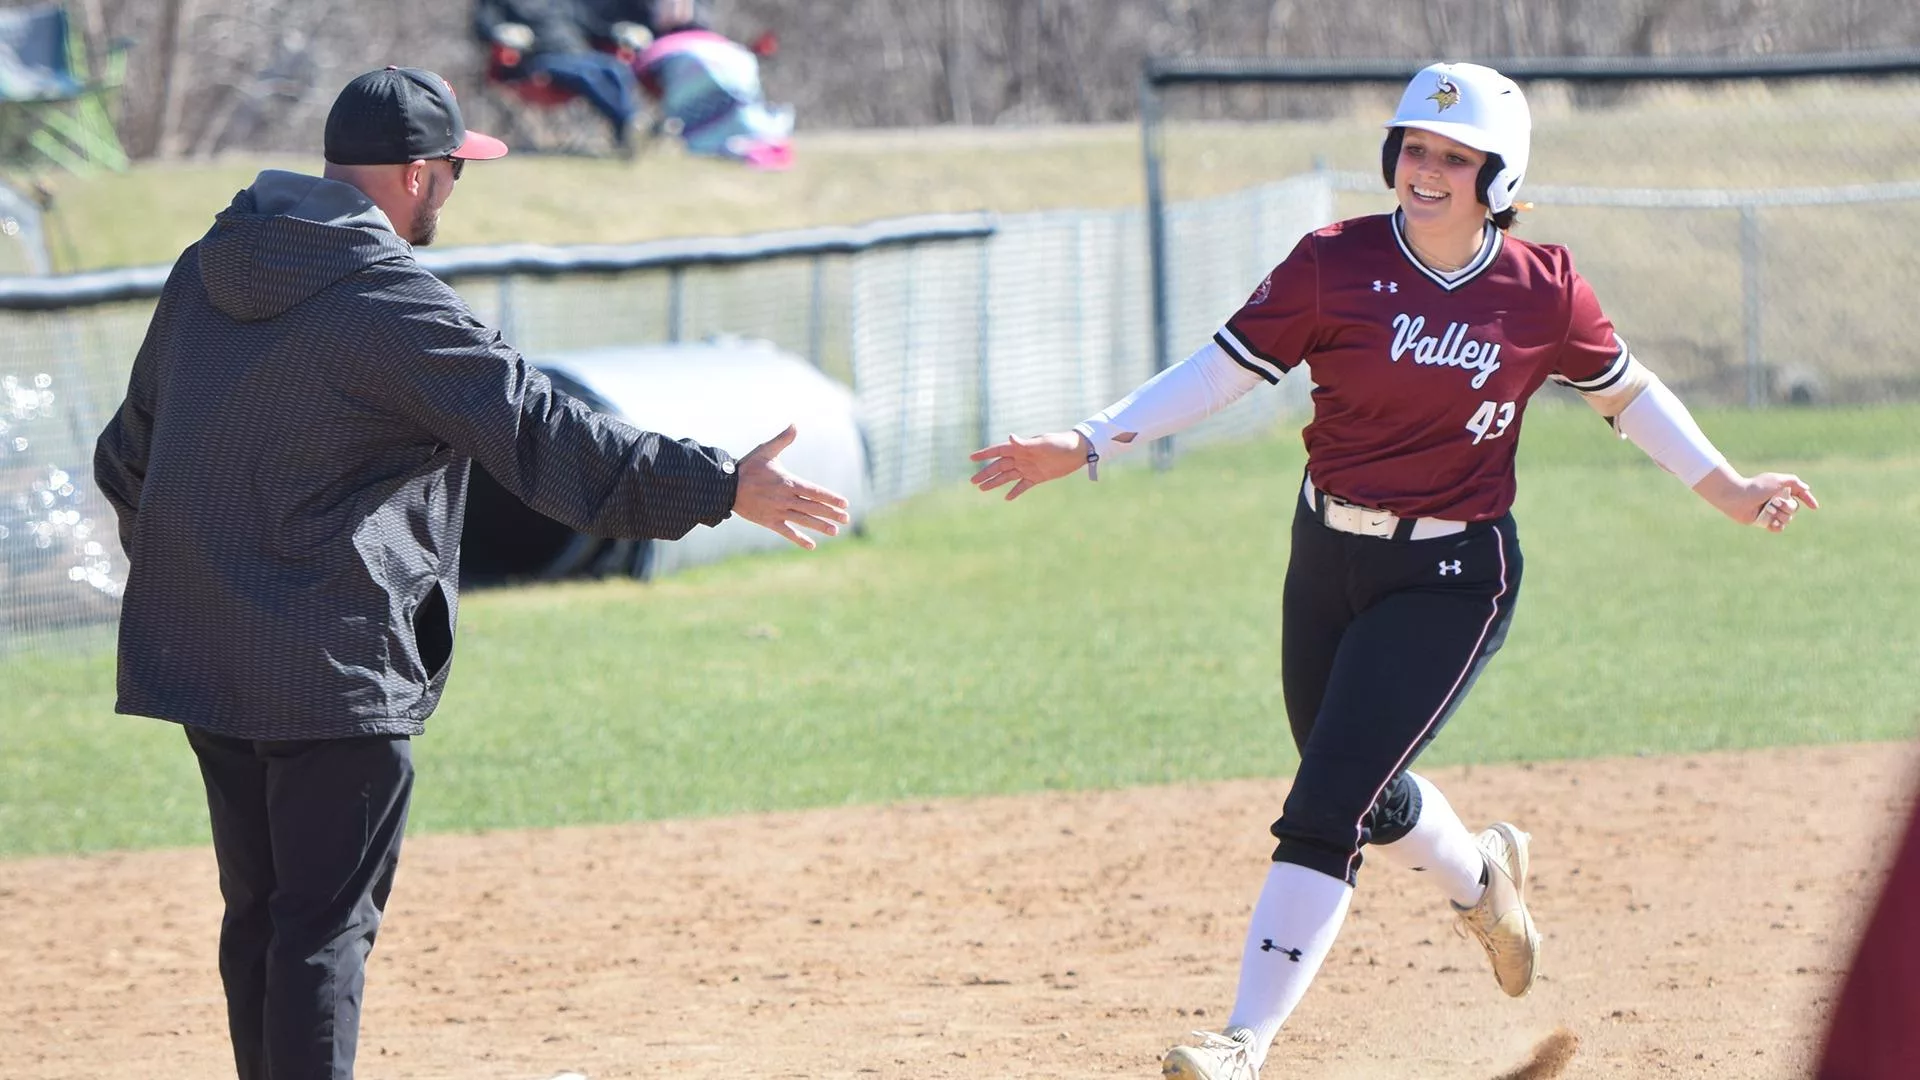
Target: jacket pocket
<point x="433" y="632"/>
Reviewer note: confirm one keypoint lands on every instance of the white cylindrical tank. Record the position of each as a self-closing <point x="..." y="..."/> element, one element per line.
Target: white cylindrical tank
<point x="731" y="393"/>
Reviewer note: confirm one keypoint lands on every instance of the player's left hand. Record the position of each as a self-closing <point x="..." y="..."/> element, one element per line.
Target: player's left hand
<point x="1768" y="499"/>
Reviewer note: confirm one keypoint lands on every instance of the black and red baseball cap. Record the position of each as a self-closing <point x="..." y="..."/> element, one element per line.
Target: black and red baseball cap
<point x="396" y="115"/>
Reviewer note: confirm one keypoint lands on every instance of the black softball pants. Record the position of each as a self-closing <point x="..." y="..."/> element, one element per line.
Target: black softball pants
<point x="307" y="836"/>
<point x="1380" y="641"/>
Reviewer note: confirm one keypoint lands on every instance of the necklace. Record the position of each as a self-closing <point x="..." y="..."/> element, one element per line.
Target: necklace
<point x="1441" y="265"/>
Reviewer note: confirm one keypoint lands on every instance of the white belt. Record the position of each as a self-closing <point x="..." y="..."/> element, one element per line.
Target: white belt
<point x="1338" y="513"/>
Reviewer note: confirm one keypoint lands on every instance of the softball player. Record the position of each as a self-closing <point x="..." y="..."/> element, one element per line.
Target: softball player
<point x="1427" y="331"/>
<point x="1871" y="1034"/>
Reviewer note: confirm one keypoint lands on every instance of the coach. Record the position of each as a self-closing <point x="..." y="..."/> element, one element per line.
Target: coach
<point x="289" y="469"/>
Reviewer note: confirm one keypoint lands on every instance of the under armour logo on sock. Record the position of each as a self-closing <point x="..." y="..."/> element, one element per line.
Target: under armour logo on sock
<point x="1267" y="945"/>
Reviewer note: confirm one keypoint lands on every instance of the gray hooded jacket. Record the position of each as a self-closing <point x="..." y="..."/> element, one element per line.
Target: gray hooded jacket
<point x="290" y="471"/>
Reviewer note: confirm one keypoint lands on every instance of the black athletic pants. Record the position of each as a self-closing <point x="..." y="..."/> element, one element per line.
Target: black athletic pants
<point x="1380" y="641"/>
<point x="307" y="835"/>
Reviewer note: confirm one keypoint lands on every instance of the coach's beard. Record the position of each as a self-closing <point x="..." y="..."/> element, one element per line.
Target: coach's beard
<point x="426" y="225"/>
<point x="426" y="217"/>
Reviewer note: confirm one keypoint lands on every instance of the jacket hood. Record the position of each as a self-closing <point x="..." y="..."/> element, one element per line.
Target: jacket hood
<point x="288" y="237"/>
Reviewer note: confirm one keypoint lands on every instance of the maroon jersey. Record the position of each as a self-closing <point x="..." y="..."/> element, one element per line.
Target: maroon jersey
<point x="1872" y="1034"/>
<point x="1420" y="379"/>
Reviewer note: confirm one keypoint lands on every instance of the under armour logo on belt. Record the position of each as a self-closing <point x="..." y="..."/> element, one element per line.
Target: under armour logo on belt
<point x="1449" y="567"/>
<point x="1386" y="286"/>
<point x="1267" y="945"/>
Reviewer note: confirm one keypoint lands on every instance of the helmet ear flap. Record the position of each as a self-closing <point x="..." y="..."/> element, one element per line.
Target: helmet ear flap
<point x="1390" y="154"/>
<point x="1483" y="183"/>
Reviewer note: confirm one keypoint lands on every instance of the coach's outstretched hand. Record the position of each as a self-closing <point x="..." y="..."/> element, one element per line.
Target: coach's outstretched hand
<point x="1767" y="499"/>
<point x="1026" y="462"/>
<point x="773" y="498"/>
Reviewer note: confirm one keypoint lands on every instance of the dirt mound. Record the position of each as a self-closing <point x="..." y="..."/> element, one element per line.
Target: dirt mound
<point x="1696" y="910"/>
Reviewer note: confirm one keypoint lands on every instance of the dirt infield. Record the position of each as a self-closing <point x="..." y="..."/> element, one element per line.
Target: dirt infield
<point x="1696" y="910"/>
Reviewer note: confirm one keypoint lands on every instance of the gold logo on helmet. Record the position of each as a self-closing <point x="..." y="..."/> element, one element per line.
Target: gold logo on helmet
<point x="1447" y="96"/>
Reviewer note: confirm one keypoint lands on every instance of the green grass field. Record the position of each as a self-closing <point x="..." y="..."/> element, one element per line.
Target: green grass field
<point x="1091" y="636"/>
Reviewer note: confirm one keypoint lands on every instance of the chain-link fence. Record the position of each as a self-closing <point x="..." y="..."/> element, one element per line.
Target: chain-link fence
<point x="23" y="245"/>
<point x="1746" y="234"/>
<point x="1743" y="222"/>
<point x="951" y="331"/>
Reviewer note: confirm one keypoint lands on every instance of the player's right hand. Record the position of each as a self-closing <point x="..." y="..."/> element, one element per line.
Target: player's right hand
<point x="1026" y="462"/>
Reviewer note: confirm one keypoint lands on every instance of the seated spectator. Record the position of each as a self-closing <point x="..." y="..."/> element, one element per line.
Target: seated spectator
<point x="707" y="90"/>
<point x="706" y="87"/>
<point x="633" y="25"/>
<point x="550" y="38"/>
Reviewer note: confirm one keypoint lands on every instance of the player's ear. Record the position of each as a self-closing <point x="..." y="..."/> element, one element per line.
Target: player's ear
<point x="413" y="177"/>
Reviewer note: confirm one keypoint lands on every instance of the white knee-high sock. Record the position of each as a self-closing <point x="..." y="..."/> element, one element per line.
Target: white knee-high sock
<point x="1440" y="845"/>
<point x="1294" y="923"/>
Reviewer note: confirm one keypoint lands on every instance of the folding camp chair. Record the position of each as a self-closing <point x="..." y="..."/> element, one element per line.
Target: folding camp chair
<point x="535" y="116"/>
<point x="51" y="107"/>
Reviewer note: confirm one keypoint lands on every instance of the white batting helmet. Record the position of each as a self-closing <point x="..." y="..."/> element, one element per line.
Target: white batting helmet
<point x="1477" y="106"/>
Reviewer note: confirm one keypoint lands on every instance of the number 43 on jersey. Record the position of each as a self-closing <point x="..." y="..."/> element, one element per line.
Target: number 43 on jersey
<point x="1490" y="420"/>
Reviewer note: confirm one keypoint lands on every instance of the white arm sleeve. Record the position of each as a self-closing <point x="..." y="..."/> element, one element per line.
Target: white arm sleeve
<point x="1177" y="398"/>
<point x="1659" y="424"/>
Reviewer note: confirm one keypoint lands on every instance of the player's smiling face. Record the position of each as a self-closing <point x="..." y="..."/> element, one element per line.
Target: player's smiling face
<point x="1434" y="181"/>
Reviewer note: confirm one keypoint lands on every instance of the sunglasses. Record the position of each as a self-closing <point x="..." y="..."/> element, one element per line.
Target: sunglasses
<point x="459" y="165"/>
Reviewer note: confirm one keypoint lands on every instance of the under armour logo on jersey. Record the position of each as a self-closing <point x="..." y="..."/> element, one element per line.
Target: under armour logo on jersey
<point x="1386" y="286"/>
<point x="1449" y="567"/>
<point x="1267" y="945"/>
